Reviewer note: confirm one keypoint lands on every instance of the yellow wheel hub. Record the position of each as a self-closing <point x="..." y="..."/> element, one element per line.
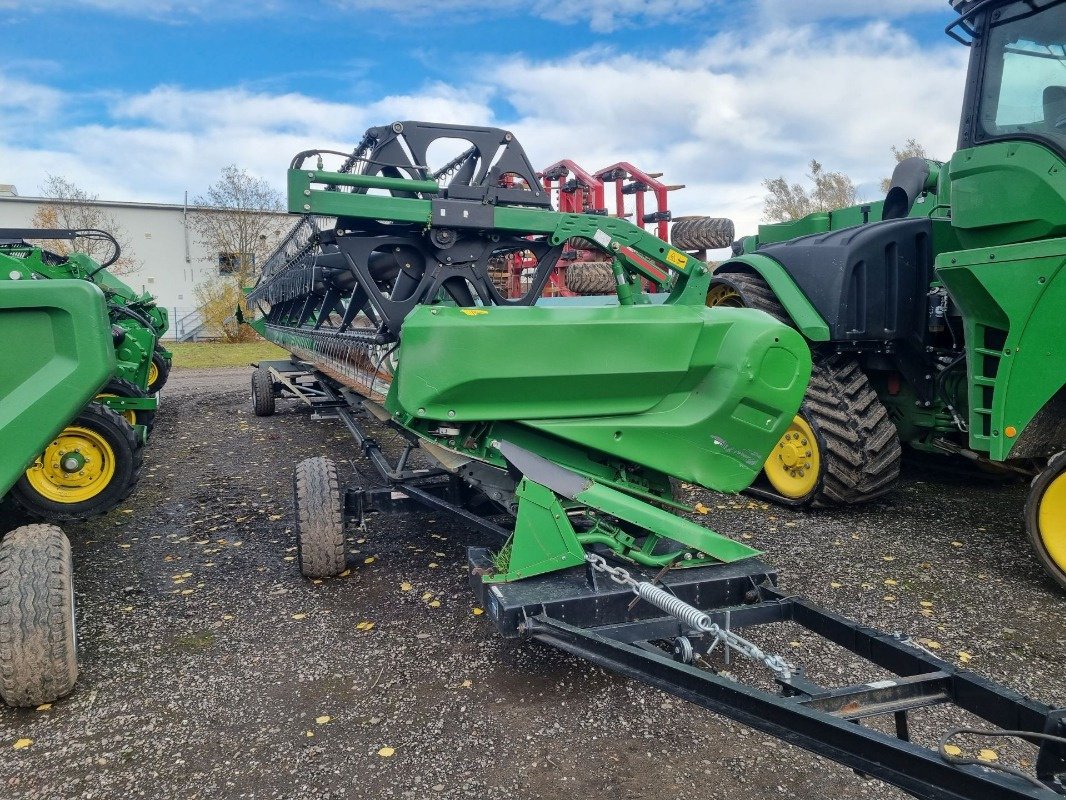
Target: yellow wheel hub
<point x="1051" y="517"/>
<point x="153" y="373"/>
<point x="721" y="294"/>
<point x="129" y="415"/>
<point x="75" y="467"/>
<point x="795" y="462"/>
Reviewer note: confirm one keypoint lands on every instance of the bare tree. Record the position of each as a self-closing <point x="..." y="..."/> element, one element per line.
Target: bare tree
<point x="73" y="208"/>
<point x="912" y="149"/>
<point x="239" y="221"/>
<point x="787" y="201"/>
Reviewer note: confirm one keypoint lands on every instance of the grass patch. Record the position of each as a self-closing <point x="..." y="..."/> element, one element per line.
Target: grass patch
<point x="201" y="355"/>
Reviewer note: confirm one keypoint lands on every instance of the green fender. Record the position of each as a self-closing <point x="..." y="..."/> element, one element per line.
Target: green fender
<point x="799" y="308"/>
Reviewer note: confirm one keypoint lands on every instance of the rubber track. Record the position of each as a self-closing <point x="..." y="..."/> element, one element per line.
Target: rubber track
<point x="319" y="518"/>
<point x="37" y="659"/>
<point x="590" y="277"/>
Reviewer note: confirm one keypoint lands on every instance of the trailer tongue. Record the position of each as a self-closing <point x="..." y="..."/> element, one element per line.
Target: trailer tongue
<point x="560" y="429"/>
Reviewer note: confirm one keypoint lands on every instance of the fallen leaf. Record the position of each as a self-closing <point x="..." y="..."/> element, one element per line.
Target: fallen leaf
<point x="309" y="734"/>
<point x="952" y="750"/>
<point x="478" y="612"/>
<point x="44" y="707"/>
<point x="890" y="597"/>
<point x="299" y="616"/>
<point x="956" y="544"/>
<point x="964" y="657"/>
<point x="345" y="574"/>
<point x="987" y="755"/>
<point x="926" y="604"/>
<point x="467" y="684"/>
<point x="386" y="752"/>
<point x="273" y="517"/>
<point x="406" y="587"/>
<point x="835" y="585"/>
<point x="932" y="645"/>
<point x="369" y="560"/>
<point x="888" y="558"/>
<point x="365" y="626"/>
<point x="187" y="591"/>
<point x="427" y="596"/>
<point x="22" y="744"/>
<point x="434" y="603"/>
<point x="323" y="719"/>
<point x="433" y="565"/>
<point x="890" y="582"/>
<point x="702" y="509"/>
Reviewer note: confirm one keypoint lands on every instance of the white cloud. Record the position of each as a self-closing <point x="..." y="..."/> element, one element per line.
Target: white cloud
<point x="719" y="117"/>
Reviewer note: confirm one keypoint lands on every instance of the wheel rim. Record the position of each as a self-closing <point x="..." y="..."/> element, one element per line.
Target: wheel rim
<point x="795" y="463"/>
<point x="77" y="466"/>
<point x="722" y="294"/>
<point x="153" y="373"/>
<point x="128" y="414"/>
<point x="1051" y="519"/>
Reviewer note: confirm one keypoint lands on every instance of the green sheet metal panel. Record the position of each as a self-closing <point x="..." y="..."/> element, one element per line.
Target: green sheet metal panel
<point x="57" y="353"/>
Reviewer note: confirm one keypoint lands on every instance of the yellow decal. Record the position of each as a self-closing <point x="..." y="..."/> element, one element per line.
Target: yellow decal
<point x="474" y="312"/>
<point x="678" y="259"/>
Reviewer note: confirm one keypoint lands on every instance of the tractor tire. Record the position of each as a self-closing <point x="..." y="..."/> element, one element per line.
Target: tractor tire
<point x="590" y="277"/>
<point x="111" y="456"/>
<point x="158" y="372"/>
<point x="842" y="447"/>
<point x="120" y="387"/>
<point x="319" y="508"/>
<point x="38" y="644"/>
<point x="1045" y="518"/>
<point x="702" y="233"/>
<point x="581" y="243"/>
<point x="263" y="392"/>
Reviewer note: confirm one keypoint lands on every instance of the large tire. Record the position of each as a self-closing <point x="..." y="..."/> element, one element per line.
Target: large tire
<point x="702" y="233"/>
<point x="842" y="447"/>
<point x="158" y="373"/>
<point x="1045" y="518"/>
<point x="262" y="392"/>
<point x="319" y="518"/>
<point x="581" y="243"/>
<point x="590" y="278"/>
<point x="38" y="646"/>
<point x="57" y="487"/>
<point x="120" y="387"/>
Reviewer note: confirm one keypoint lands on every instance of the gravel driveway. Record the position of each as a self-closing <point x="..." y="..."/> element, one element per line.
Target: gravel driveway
<point x="210" y="668"/>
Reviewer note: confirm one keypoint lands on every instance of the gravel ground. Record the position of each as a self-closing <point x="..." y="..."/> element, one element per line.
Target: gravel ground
<point x="210" y="668"/>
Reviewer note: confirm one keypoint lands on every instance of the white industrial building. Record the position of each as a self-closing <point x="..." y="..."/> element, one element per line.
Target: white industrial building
<point x="172" y="260"/>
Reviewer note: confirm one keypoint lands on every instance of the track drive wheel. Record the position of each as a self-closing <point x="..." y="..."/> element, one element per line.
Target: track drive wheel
<point x="38" y="646"/>
<point x="262" y="392"/>
<point x="91" y="466"/>
<point x="319" y="518"/>
<point x="158" y="372"/>
<point x="590" y="277"/>
<point x="842" y="446"/>
<point x="120" y="387"/>
<point x="1045" y="518"/>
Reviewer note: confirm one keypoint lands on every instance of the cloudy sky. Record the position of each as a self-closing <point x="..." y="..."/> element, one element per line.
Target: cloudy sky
<point x="142" y="100"/>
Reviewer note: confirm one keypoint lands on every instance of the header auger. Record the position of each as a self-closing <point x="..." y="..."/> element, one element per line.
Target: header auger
<point x="560" y="428"/>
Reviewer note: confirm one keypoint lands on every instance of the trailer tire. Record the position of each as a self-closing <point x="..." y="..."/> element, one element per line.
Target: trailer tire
<point x="702" y="233"/>
<point x="590" y="278"/>
<point x="159" y="372"/>
<point x="319" y="509"/>
<point x="263" y="392"/>
<point x="38" y="643"/>
<point x="1045" y="518"/>
<point x="113" y="458"/>
<point x="856" y="445"/>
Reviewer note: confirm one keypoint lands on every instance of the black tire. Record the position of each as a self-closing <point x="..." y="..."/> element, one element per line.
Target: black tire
<point x="590" y="277"/>
<point x="1037" y="525"/>
<point x="38" y="645"/>
<point x="127" y="457"/>
<point x="120" y="387"/>
<point x="702" y="233"/>
<point x="262" y="392"/>
<point x="858" y="444"/>
<point x="162" y="372"/>
<point x="581" y="243"/>
<point x="319" y="508"/>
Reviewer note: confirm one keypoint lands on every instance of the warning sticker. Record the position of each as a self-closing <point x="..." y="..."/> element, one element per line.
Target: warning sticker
<point x="678" y="259"/>
<point x="473" y="312"/>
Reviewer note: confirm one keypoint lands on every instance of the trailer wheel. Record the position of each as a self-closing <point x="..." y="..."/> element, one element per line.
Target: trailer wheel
<point x="842" y="447"/>
<point x="120" y="387"/>
<point x="262" y="392"/>
<point x="590" y="277"/>
<point x="319" y="518"/>
<point x="158" y="372"/>
<point x="702" y="233"/>
<point x="91" y="466"/>
<point x="38" y="646"/>
<point x="1045" y="518"/>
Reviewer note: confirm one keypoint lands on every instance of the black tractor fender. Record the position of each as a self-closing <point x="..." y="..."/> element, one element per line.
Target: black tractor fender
<point x="800" y="309"/>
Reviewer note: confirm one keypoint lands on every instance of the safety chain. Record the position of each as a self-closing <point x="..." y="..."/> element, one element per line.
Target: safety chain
<point x="692" y="616"/>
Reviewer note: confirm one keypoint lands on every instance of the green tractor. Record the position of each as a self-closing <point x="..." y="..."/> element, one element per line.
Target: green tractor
<point x="935" y="316"/>
<point x="142" y="363"/>
<point x="62" y="448"/>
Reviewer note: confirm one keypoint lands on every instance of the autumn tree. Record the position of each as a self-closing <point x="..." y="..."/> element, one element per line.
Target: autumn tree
<point x="827" y="190"/>
<point x="238" y="221"/>
<point x="70" y="207"/>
